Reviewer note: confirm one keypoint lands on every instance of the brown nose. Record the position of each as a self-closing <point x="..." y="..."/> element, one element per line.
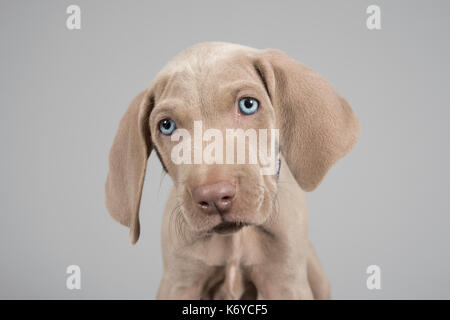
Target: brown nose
<point x="215" y="198"/>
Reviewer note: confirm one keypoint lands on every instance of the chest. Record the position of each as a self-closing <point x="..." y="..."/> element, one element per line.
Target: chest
<point x="229" y="260"/>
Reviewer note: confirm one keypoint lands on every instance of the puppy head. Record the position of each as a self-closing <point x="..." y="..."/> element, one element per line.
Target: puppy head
<point x="203" y="102"/>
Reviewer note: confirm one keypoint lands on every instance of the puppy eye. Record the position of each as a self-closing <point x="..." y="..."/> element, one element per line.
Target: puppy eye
<point x="248" y="105"/>
<point x="167" y="126"/>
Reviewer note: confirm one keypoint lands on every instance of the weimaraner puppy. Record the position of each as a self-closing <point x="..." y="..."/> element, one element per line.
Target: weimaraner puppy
<point x="230" y="232"/>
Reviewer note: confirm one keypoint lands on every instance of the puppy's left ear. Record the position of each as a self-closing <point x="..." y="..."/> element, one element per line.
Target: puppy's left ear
<point x="317" y="126"/>
<point x="127" y="164"/>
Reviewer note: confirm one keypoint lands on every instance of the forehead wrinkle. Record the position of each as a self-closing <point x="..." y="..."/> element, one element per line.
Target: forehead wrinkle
<point x="240" y="85"/>
<point x="169" y="103"/>
<point x="179" y="87"/>
<point x="206" y="99"/>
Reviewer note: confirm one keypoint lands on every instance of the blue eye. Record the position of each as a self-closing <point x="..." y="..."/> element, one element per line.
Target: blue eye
<point x="167" y="126"/>
<point x="248" y="105"/>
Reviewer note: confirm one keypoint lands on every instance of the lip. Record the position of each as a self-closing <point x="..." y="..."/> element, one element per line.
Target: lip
<point x="228" y="227"/>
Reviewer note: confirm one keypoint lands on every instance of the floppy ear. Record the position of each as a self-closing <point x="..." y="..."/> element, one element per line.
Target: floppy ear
<point x="127" y="164"/>
<point x="317" y="126"/>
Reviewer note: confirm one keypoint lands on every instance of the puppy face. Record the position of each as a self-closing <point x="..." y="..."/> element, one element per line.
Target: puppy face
<point x="221" y="87"/>
<point x="211" y="90"/>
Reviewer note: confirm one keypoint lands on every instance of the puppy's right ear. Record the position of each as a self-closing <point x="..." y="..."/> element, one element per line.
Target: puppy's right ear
<point x="127" y="164"/>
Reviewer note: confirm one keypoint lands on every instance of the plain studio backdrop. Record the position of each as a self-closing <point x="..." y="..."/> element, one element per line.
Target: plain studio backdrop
<point x="64" y="91"/>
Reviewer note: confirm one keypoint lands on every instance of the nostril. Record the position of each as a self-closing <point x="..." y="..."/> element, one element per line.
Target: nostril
<point x="226" y="198"/>
<point x="223" y="204"/>
<point x="204" y="204"/>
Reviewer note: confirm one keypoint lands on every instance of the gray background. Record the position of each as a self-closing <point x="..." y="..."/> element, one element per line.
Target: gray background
<point x="63" y="93"/>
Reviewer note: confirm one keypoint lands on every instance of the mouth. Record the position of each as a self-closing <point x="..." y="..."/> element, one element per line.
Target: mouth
<point x="228" y="227"/>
